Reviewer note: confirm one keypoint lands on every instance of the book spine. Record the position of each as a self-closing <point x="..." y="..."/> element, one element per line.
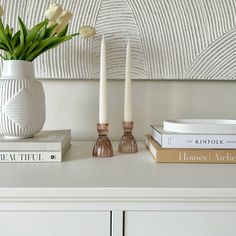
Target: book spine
<point x="194" y="140"/>
<point x="191" y="155"/>
<point x="156" y="135"/>
<point x="26" y="156"/>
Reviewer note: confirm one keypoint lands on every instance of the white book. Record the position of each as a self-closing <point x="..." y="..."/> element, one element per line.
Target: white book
<point x="181" y="140"/>
<point x="27" y="156"/>
<point x="47" y="140"/>
<point x="46" y="146"/>
<point x="34" y="156"/>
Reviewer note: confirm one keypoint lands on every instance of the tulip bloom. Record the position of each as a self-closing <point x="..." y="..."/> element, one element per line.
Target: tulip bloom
<point x="87" y="31"/>
<point x="64" y="18"/>
<point x="53" y="12"/>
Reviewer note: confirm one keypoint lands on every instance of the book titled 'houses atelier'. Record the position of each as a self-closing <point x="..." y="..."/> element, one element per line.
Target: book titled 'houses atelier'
<point x="46" y="146"/>
<point x="193" y="141"/>
<point x="189" y="155"/>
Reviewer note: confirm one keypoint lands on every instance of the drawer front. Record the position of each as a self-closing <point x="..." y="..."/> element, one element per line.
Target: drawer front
<point x="180" y="223"/>
<point x="54" y="223"/>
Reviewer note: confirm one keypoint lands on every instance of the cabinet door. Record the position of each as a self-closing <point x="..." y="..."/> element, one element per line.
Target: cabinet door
<point x="180" y="223"/>
<point x="54" y="223"/>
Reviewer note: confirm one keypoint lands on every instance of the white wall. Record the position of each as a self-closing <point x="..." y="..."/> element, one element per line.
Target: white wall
<point x="74" y="104"/>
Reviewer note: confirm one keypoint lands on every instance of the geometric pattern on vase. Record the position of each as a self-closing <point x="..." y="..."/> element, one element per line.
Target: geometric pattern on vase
<point x="19" y="108"/>
<point x="22" y="100"/>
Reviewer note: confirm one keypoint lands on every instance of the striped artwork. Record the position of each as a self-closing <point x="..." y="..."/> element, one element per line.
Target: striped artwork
<point x="170" y="39"/>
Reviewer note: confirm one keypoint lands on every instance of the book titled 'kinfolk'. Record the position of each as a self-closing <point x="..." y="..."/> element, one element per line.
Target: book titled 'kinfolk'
<point x="46" y="146"/>
<point x="185" y="155"/>
<point x="168" y="139"/>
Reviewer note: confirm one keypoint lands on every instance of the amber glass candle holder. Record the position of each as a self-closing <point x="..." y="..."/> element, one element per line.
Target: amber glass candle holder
<point x="128" y="143"/>
<point x="103" y="146"/>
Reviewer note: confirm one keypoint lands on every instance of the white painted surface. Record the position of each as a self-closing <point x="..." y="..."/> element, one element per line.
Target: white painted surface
<point x="54" y="223"/>
<point x="117" y="223"/>
<point x="180" y="223"/>
<point x="67" y="196"/>
<point x="124" y="175"/>
<point x="74" y="104"/>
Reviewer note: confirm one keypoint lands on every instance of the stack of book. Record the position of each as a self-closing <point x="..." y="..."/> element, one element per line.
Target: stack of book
<point x="199" y="147"/>
<point x="46" y="146"/>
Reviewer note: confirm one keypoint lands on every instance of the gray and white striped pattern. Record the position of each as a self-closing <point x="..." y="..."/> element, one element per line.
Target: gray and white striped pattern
<point x="22" y="107"/>
<point x="171" y="39"/>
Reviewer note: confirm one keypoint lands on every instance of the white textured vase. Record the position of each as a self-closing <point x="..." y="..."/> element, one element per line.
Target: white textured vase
<point x="22" y="100"/>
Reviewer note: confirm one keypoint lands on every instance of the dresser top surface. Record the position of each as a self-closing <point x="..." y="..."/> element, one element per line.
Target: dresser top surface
<point x="123" y="173"/>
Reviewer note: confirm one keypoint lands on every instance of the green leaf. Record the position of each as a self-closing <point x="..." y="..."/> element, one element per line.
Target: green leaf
<point x="15" y="39"/>
<point x="8" y="33"/>
<point x="64" y="31"/>
<point x="55" y="44"/>
<point x="44" y="43"/>
<point x="3" y="36"/>
<point x="23" y="32"/>
<point x="17" y="52"/>
<point x="73" y="35"/>
<point x="61" y="40"/>
<point x="31" y="48"/>
<point x="41" y="34"/>
<point x="3" y="47"/>
<point x="4" y="58"/>
<point x="34" y="31"/>
<point x="47" y="44"/>
<point x="49" y="30"/>
<point x="7" y="30"/>
<point x="8" y="56"/>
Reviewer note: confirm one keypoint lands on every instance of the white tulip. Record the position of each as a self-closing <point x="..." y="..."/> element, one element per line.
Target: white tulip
<point x="51" y="23"/>
<point x="59" y="28"/>
<point x="53" y="12"/>
<point x="87" y="31"/>
<point x="64" y="18"/>
<point x="1" y="11"/>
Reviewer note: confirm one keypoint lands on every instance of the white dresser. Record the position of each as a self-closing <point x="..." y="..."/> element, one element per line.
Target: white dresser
<point x="126" y="195"/>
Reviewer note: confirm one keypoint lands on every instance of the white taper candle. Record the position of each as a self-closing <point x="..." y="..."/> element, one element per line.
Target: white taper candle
<point x="128" y="87"/>
<point x="103" y="85"/>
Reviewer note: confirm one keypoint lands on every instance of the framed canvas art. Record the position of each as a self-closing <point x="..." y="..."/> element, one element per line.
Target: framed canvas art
<point x="170" y="39"/>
